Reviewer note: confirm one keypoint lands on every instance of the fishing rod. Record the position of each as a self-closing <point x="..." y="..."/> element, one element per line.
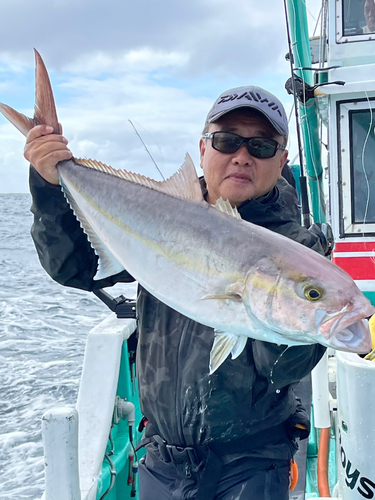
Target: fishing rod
<point x="148" y="152"/>
<point x="302" y="179"/>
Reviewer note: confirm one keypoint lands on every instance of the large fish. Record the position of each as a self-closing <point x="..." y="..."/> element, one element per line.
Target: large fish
<point x="204" y="261"/>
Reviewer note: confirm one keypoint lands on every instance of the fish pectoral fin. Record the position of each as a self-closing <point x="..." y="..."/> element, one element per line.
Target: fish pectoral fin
<point x="239" y="346"/>
<point x="232" y="292"/>
<point x="108" y="265"/>
<point x="225" y="344"/>
<point x="225" y="296"/>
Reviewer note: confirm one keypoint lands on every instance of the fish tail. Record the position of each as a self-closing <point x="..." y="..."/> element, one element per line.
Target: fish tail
<point x="23" y="123"/>
<point x="45" y="109"/>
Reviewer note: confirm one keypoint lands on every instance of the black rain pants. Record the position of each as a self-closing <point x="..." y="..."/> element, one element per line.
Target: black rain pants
<point x="241" y="479"/>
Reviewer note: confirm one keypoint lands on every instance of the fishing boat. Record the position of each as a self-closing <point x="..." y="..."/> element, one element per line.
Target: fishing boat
<point x="90" y="449"/>
<point x="333" y="82"/>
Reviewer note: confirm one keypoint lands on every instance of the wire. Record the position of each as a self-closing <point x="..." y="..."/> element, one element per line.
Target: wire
<point x="290" y="114"/>
<point x="363" y="160"/>
<point x="113" y="475"/>
<point x="131" y="442"/>
<point x="323" y="34"/>
<point x="317" y="20"/>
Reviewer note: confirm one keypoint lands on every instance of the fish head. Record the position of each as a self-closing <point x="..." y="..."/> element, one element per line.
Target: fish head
<point x="312" y="302"/>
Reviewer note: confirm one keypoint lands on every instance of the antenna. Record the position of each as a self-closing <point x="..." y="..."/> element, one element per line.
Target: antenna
<point x="135" y="130"/>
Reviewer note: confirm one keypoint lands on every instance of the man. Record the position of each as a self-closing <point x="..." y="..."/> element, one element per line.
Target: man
<point x="229" y="434"/>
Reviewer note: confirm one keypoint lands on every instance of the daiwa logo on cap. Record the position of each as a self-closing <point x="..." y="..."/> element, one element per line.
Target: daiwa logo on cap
<point x="251" y="97"/>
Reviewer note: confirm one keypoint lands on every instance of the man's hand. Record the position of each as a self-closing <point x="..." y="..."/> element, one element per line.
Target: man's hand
<point x="44" y="150"/>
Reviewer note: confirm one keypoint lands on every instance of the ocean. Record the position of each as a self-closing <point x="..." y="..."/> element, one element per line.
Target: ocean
<point x="43" y="329"/>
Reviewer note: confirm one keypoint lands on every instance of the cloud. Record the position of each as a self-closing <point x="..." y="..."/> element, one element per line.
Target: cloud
<point x="168" y="119"/>
<point x="216" y="34"/>
<point x="95" y="116"/>
<point x="159" y="64"/>
<point x="140" y="60"/>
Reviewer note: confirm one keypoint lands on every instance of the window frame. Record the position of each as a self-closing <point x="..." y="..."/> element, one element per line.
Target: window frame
<point x="346" y="167"/>
<point x="340" y="36"/>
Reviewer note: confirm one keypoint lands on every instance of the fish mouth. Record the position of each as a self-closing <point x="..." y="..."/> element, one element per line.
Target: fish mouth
<point x="346" y="330"/>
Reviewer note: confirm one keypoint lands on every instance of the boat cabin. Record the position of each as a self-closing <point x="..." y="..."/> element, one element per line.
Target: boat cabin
<point x="350" y="58"/>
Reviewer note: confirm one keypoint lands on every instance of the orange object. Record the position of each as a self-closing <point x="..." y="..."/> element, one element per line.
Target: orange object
<point x="322" y="465"/>
<point x="293" y="475"/>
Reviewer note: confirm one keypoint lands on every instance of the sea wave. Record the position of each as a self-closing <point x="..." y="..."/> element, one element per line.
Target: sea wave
<point x="43" y="329"/>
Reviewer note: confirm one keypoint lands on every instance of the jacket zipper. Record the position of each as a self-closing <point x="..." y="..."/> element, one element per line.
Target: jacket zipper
<point x="178" y="400"/>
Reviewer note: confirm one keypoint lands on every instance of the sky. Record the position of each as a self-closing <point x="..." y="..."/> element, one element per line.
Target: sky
<point x="159" y="64"/>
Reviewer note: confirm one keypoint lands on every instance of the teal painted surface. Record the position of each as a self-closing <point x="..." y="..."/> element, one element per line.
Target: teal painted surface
<point x="308" y="112"/>
<point x="120" y="436"/>
<point x="296" y="171"/>
<point x="323" y="77"/>
<point x="312" y="490"/>
<point x="370" y="296"/>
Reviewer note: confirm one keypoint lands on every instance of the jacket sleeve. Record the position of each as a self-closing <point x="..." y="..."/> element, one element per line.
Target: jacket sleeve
<point x="63" y="248"/>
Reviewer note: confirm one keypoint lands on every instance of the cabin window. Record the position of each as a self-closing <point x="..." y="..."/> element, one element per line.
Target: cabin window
<point x="355" y="20"/>
<point x="357" y="170"/>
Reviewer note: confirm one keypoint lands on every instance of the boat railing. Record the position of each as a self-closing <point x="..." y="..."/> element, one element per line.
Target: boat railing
<point x="75" y="440"/>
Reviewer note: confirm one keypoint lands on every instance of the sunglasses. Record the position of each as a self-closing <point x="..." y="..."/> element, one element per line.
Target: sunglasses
<point x="259" y="147"/>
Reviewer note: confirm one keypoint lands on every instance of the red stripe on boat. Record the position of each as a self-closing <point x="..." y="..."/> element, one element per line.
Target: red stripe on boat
<point x="359" y="268"/>
<point x="359" y="246"/>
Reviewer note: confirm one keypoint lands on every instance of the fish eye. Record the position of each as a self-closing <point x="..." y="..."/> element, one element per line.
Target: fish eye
<point x="312" y="292"/>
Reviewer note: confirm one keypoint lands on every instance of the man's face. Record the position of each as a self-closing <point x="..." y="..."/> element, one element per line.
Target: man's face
<point x="239" y="176"/>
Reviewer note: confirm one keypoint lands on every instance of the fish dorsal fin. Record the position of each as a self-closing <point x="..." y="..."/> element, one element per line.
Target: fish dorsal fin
<point x="226" y="207"/>
<point x="183" y="184"/>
